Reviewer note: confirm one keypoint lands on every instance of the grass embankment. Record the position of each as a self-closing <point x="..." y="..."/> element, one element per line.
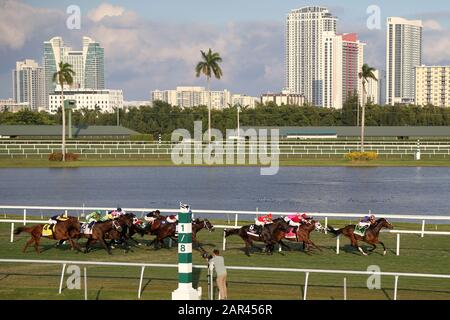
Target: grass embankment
<point x="421" y="255"/>
<point x="37" y="163"/>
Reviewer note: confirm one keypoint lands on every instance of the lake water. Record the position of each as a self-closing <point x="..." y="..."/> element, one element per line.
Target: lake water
<point x="335" y="189"/>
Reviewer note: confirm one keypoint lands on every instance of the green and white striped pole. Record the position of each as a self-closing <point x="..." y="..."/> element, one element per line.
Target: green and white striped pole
<point x="185" y="290"/>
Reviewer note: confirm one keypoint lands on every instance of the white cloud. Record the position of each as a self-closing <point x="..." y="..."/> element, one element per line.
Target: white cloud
<point x="105" y="10"/>
<point x="432" y="25"/>
<point x="18" y="22"/>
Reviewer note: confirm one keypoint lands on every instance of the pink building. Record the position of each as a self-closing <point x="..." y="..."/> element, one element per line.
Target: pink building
<point x="352" y="62"/>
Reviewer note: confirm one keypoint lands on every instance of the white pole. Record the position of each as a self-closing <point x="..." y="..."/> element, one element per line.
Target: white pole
<point x="236" y="220"/>
<point x="85" y="284"/>
<point x="224" y="246"/>
<point x="423" y="228"/>
<point x="12" y="232"/>
<point x="345" y="288"/>
<point x="140" y="282"/>
<point x="395" y="287"/>
<point x="211" y="287"/>
<point x="326" y="225"/>
<point x="24" y="216"/>
<point x="337" y="244"/>
<point x="62" y="278"/>
<point x="306" y="286"/>
<point x="398" y="244"/>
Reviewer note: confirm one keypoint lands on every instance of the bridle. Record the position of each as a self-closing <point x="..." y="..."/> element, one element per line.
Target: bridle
<point x="117" y="226"/>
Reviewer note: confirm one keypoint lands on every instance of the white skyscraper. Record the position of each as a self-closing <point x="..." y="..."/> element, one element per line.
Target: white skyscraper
<point x="305" y="51"/>
<point x="29" y="84"/>
<point x="403" y="54"/>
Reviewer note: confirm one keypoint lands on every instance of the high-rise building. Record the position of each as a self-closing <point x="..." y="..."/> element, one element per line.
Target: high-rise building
<point x="403" y="54"/>
<point x="352" y="62"/>
<point x="373" y="89"/>
<point x="188" y="97"/>
<point x="88" y="64"/>
<point x="283" y="98"/>
<point x="94" y="64"/>
<point x="305" y="51"/>
<point x="433" y="86"/>
<point x="29" y="84"/>
<point x="320" y="64"/>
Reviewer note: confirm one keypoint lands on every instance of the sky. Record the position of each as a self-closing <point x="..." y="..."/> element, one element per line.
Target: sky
<point x="155" y="44"/>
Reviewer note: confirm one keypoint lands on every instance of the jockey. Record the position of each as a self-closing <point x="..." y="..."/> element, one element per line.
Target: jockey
<point x="54" y="219"/>
<point x="137" y="222"/>
<point x="304" y="218"/>
<point x="93" y="217"/>
<point x="367" y="221"/>
<point x="115" y="214"/>
<point x="152" y="216"/>
<point x="263" y="220"/>
<point x="172" y="219"/>
<point x="294" y="220"/>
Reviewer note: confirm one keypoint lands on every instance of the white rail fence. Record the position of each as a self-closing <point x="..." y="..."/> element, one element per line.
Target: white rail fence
<point x="70" y="210"/>
<point x="105" y="149"/>
<point x="307" y="272"/>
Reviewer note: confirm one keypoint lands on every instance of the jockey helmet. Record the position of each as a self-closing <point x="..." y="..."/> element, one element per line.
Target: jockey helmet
<point x="119" y="209"/>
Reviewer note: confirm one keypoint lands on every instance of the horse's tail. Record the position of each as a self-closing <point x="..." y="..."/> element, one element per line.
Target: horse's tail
<point x="334" y="231"/>
<point x="229" y="232"/>
<point x="19" y="230"/>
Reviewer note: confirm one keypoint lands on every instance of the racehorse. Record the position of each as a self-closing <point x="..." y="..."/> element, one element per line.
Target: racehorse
<point x="302" y="234"/>
<point x="370" y="237"/>
<point x="63" y="230"/>
<point x="168" y="230"/>
<point x="267" y="235"/>
<point x="107" y="229"/>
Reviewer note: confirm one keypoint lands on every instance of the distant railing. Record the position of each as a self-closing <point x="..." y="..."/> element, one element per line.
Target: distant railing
<point x="139" y="149"/>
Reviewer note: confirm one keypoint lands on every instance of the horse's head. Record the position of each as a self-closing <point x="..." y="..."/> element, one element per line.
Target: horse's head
<point x="317" y="226"/>
<point x="208" y="225"/>
<point x="282" y="224"/>
<point x="384" y="223"/>
<point x="126" y="219"/>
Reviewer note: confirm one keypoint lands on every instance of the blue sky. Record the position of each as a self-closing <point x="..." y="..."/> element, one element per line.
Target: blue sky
<point x="155" y="44"/>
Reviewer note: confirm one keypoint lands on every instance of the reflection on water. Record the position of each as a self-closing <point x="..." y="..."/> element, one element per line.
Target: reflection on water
<point x="334" y="189"/>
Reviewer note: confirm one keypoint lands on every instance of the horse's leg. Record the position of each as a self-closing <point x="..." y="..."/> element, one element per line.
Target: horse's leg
<point x="373" y="247"/>
<point x="103" y="242"/>
<point x="88" y="242"/>
<point x="355" y="244"/>
<point x="384" y="247"/>
<point x="74" y="244"/>
<point x="36" y="244"/>
<point x="314" y="245"/>
<point x="284" y="245"/>
<point x="27" y="244"/>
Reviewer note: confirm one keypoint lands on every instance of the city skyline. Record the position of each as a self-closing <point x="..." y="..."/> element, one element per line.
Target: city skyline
<point x="145" y="53"/>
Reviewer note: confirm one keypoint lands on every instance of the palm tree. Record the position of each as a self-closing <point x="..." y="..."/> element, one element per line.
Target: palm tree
<point x="209" y="66"/>
<point x="366" y="73"/>
<point x="61" y="77"/>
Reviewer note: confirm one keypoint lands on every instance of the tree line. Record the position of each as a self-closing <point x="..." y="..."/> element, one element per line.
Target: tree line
<point x="162" y="118"/>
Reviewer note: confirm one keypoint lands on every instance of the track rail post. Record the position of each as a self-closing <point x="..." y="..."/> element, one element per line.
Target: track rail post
<point x="337" y="243"/>
<point x="140" y="282"/>
<point x="12" y="232"/>
<point x="305" y="291"/>
<point x="398" y="245"/>
<point x="395" y="287"/>
<point x="62" y="278"/>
